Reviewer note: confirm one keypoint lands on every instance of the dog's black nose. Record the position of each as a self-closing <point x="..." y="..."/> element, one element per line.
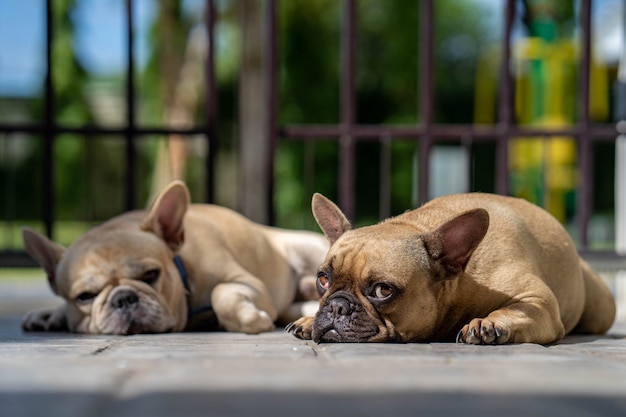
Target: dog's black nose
<point x="124" y="299"/>
<point x="340" y="306"/>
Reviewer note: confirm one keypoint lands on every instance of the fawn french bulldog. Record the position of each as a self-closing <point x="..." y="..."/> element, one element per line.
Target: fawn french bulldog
<point x="475" y="268"/>
<point x="152" y="271"/>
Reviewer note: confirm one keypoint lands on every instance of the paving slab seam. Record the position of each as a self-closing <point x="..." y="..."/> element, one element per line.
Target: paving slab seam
<point x="102" y="349"/>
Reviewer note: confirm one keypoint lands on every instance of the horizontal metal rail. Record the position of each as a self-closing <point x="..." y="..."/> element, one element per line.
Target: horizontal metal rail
<point x="443" y="132"/>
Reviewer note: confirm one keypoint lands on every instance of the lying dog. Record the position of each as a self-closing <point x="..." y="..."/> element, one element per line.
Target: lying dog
<point x="475" y="268"/>
<point x="148" y="272"/>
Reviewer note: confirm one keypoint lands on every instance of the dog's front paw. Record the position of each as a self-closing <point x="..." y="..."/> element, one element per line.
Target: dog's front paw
<point x="252" y="321"/>
<point x="301" y="328"/>
<point x="45" y="320"/>
<point x="483" y="332"/>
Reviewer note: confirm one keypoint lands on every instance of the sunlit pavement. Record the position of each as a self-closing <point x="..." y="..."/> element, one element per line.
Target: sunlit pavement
<point x="275" y="374"/>
<point x="205" y="374"/>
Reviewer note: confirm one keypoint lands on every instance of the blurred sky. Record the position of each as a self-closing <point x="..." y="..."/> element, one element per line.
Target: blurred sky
<point x="100" y="32"/>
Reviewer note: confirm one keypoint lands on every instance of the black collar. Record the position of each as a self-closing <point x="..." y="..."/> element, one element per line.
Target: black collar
<point x="178" y="261"/>
<point x="182" y="271"/>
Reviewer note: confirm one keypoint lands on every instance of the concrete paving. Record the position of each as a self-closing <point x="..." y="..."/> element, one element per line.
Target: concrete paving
<point x="274" y="374"/>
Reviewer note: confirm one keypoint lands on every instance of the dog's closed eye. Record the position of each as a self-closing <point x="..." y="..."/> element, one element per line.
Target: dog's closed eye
<point x="86" y="297"/>
<point x="150" y="276"/>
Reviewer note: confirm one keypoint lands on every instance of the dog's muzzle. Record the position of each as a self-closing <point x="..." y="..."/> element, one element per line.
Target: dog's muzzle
<point x="343" y="318"/>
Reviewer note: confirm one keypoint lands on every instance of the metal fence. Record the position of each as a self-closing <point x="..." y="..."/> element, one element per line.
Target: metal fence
<point x="49" y="129"/>
<point x="427" y="132"/>
<point x="347" y="132"/>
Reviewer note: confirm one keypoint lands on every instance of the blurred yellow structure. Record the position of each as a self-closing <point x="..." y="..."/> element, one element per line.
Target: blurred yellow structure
<point x="543" y="170"/>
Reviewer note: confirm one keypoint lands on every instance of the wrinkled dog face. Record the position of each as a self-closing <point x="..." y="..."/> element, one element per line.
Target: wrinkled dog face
<point x="119" y="277"/>
<point x="368" y="296"/>
<point x="121" y="282"/>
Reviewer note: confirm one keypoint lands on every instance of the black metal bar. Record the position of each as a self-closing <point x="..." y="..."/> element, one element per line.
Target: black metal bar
<point x="585" y="198"/>
<point x="427" y="96"/>
<point x="16" y="259"/>
<point x="212" y="128"/>
<point x="505" y="104"/>
<point x="309" y="173"/>
<point x="347" y="163"/>
<point x="48" y="131"/>
<point x="441" y="132"/>
<point x="445" y="132"/>
<point x="130" y="110"/>
<point x="101" y="130"/>
<point x="384" y="205"/>
<point x="271" y="72"/>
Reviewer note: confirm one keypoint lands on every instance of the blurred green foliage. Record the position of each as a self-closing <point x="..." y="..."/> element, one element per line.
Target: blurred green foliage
<point x="387" y="92"/>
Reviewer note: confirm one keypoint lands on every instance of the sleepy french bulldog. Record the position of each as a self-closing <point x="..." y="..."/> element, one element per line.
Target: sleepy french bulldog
<point x="177" y="267"/>
<point x="475" y="268"/>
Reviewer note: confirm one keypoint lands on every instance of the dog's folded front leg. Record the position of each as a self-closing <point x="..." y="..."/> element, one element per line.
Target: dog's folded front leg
<point x="244" y="306"/>
<point x="46" y="320"/>
<point x="534" y="320"/>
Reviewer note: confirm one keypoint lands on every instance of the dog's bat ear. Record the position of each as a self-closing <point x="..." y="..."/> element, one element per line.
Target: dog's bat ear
<point x="452" y="244"/>
<point x="329" y="217"/>
<point x="46" y="252"/>
<point x="168" y="213"/>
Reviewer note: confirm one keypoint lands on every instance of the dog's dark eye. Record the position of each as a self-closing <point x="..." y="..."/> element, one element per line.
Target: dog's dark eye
<point x="150" y="276"/>
<point x="382" y="291"/>
<point x="323" y="282"/>
<point x="86" y="297"/>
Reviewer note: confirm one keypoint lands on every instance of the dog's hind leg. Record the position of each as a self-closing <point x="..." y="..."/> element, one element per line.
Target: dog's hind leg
<point x="599" y="311"/>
